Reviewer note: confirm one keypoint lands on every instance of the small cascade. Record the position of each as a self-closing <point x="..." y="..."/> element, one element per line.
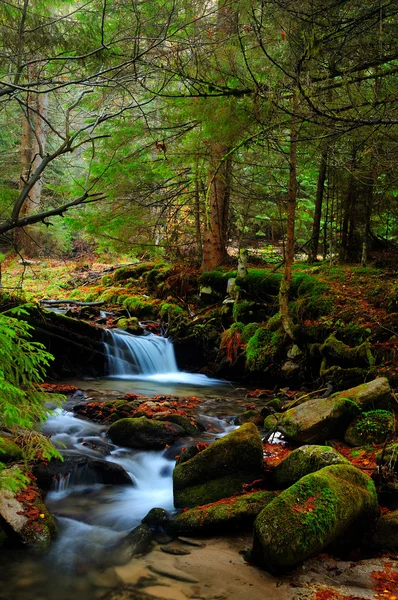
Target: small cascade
<point x="138" y="355"/>
<point x="149" y="357"/>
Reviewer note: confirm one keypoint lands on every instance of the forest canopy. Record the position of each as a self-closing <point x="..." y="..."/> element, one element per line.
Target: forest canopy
<point x="183" y="128"/>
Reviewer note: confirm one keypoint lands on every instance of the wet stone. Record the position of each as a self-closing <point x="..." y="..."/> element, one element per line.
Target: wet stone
<point x="175" y="550"/>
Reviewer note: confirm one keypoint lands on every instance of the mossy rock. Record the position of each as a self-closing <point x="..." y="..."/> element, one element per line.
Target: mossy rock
<point x="188" y="425"/>
<point x="264" y="348"/>
<point x="221" y="469"/>
<point x="305" y="460"/>
<point x="226" y="516"/>
<point x="333" y="504"/>
<point x="9" y="451"/>
<point x="370" y="427"/>
<point x="385" y="536"/>
<point x="31" y="523"/>
<point x="250" y="416"/>
<point x="131" y="325"/>
<point x="272" y="421"/>
<point x="134" y="271"/>
<point x="319" y="419"/>
<point x="144" y="433"/>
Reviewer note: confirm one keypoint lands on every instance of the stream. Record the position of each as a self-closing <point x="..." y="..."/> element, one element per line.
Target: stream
<point x="93" y="518"/>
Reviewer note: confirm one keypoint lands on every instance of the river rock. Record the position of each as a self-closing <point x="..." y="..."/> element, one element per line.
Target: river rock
<point x="371" y="427"/>
<point x="305" y="460"/>
<point x="137" y="541"/>
<point x="144" y="433"/>
<point x="188" y="425"/>
<point x="227" y="516"/>
<point x="25" y="517"/>
<point x="335" y="503"/>
<point x="80" y="469"/>
<point x="221" y="469"/>
<point x="386" y="533"/>
<point x="250" y="416"/>
<point x="319" y="419"/>
<point x="9" y="451"/>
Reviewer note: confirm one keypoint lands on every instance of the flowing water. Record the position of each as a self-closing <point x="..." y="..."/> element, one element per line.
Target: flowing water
<point x="93" y="519"/>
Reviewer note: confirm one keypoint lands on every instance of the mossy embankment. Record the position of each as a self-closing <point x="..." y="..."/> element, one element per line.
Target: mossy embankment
<point x="345" y="319"/>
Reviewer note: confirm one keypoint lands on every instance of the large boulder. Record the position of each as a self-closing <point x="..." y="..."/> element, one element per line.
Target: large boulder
<point x="144" y="433"/>
<point x="25" y="519"/>
<point x="319" y="419"/>
<point x="221" y="469"/>
<point x="221" y="517"/>
<point x="335" y="503"/>
<point x="305" y="460"/>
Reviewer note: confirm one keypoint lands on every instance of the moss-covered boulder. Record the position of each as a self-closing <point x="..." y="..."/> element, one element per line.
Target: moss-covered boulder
<point x="221" y="469"/>
<point x="9" y="451"/>
<point x="305" y="460"/>
<point x="27" y="520"/>
<point x="224" y="516"/>
<point x="386" y="533"/>
<point x="319" y="419"/>
<point x="144" y="433"/>
<point x="335" y="503"/>
<point x="371" y="427"/>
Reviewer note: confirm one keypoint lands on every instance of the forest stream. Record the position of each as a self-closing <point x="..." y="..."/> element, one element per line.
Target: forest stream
<point x="93" y="519"/>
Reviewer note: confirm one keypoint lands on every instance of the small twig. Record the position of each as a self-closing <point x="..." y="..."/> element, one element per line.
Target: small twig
<point x="305" y="396"/>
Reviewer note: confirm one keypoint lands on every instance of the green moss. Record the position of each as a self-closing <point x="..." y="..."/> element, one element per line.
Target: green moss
<point x="305" y="460"/>
<point x="262" y="349"/>
<point x="141" y="308"/>
<point x="134" y="271"/>
<point x="217" y="280"/>
<point x="221" y="469"/>
<point x="388" y="457"/>
<point x="144" y="433"/>
<point x="248" y="331"/>
<point x="371" y="427"/>
<point x="9" y="451"/>
<point x="226" y="516"/>
<point x="339" y="353"/>
<point x="261" y="284"/>
<point x="271" y="421"/>
<point x="244" y="311"/>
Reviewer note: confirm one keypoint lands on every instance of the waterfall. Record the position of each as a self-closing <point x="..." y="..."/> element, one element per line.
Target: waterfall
<point x="149" y="357"/>
<point x="146" y="355"/>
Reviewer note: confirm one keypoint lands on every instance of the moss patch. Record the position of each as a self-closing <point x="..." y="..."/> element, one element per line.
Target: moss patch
<point x="370" y="427"/>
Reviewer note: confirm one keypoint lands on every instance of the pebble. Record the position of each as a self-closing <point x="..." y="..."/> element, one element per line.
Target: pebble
<point x="176" y="550"/>
<point x="191" y="542"/>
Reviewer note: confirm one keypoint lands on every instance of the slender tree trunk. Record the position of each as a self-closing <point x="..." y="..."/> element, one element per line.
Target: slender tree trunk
<point x="347" y="210"/>
<point x="33" y="142"/>
<point x="220" y="175"/>
<point x="316" y="227"/>
<point x="216" y="226"/>
<point x="198" y="232"/>
<point x="291" y="215"/>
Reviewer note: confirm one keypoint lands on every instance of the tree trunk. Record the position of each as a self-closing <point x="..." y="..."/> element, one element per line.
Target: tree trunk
<point x="347" y="210"/>
<point x="316" y="227"/>
<point x="217" y="209"/>
<point x="291" y="214"/>
<point x="198" y="231"/>
<point x="33" y="141"/>
<point x="216" y="226"/>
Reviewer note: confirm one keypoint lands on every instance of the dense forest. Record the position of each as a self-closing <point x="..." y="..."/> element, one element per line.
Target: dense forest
<point x="198" y="247"/>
